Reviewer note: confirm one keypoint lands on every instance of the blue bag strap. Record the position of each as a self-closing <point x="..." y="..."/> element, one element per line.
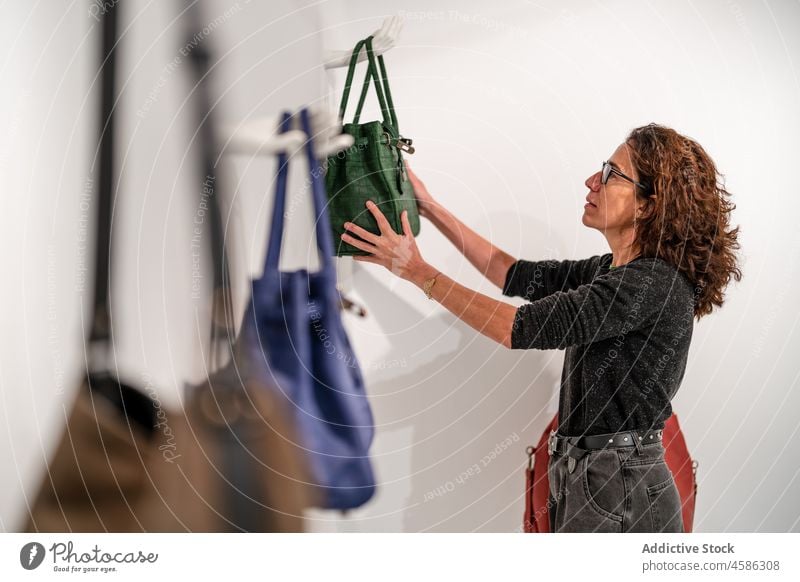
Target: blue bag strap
<point x="321" y="220"/>
<point x="279" y="204"/>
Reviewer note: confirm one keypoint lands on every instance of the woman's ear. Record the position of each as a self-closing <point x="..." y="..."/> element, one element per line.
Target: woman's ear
<point x="640" y="207"/>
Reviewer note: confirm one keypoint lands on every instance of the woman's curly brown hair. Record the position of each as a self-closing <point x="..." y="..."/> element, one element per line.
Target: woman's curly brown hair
<point x="687" y="222"/>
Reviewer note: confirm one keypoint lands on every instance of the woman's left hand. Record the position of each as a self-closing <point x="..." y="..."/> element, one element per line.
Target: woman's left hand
<point x="396" y="252"/>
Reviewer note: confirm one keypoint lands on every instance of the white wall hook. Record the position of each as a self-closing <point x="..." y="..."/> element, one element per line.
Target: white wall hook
<point x="383" y="39"/>
<point x="260" y="136"/>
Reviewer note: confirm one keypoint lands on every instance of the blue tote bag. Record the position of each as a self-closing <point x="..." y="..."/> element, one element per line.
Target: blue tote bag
<point x="294" y="317"/>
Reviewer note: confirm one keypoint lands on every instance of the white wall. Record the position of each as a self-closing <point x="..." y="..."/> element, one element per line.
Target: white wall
<point x="511" y="106"/>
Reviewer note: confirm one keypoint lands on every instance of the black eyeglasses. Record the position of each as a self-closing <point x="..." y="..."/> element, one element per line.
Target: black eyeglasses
<point x="608" y="169"/>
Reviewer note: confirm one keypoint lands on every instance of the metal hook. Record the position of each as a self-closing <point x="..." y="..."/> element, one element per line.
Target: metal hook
<point x="347" y="304"/>
<point x="530" y="451"/>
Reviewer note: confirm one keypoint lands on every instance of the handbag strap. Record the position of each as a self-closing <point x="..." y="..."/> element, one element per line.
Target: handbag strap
<point x="351" y="69"/>
<point x="528" y="521"/>
<point x="100" y="333"/>
<point x="222" y="323"/>
<point x="380" y="79"/>
<point x="321" y="220"/>
<point x="376" y="73"/>
<point x="279" y="203"/>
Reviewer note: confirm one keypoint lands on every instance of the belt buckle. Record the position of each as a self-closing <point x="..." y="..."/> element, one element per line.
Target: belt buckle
<point x="551" y="443"/>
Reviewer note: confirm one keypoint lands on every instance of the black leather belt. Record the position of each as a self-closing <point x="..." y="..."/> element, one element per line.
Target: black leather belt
<point x="577" y="447"/>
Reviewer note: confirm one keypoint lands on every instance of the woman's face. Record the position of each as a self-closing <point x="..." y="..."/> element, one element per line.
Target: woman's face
<point x="613" y="204"/>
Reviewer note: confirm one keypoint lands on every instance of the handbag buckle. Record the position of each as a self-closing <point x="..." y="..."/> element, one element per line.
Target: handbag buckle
<point x="401" y="143"/>
<point x="404" y="144"/>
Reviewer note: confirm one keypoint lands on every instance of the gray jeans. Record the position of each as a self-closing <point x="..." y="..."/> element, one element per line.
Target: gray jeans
<point x="614" y="490"/>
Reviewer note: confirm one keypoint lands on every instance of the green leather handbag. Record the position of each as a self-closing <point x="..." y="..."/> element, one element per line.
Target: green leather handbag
<point x="372" y="168"/>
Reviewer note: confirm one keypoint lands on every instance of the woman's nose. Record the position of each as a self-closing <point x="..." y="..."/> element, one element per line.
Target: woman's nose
<point x="593" y="182"/>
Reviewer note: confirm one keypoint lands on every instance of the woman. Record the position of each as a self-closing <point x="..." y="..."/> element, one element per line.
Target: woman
<point x="624" y="318"/>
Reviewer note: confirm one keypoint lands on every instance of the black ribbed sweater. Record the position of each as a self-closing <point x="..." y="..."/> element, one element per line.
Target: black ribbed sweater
<point x="626" y="331"/>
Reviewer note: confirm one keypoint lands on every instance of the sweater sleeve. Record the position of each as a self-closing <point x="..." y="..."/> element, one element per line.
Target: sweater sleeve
<point x="534" y="280"/>
<point x="619" y="301"/>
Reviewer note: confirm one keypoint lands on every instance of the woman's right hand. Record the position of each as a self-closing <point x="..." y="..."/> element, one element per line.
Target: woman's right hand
<point x="425" y="201"/>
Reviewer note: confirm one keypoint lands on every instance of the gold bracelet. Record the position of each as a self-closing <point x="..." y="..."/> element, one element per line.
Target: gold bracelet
<point x="427" y="286"/>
